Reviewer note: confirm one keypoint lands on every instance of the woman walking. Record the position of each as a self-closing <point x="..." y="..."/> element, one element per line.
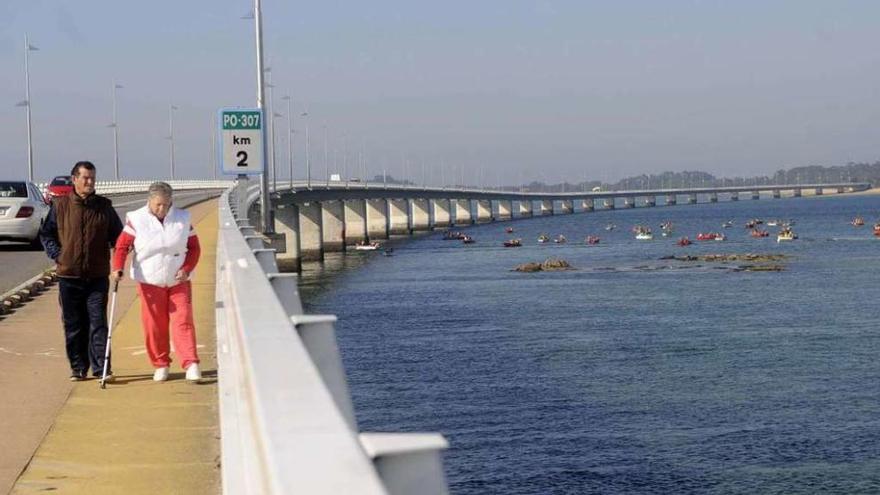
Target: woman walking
<point x="166" y="251"/>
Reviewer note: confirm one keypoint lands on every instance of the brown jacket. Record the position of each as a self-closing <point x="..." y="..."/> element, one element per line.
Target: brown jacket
<point x="78" y="235"/>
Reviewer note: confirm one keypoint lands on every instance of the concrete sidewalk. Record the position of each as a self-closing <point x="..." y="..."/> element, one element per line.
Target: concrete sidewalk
<point x="137" y="436"/>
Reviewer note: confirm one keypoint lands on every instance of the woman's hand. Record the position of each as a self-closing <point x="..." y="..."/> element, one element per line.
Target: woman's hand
<point x="116" y="276"/>
<point x="181" y="275"/>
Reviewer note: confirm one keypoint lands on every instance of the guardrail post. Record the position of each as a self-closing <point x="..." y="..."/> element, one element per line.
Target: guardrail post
<point x="287" y="290"/>
<point x="319" y="338"/>
<point x="408" y="463"/>
<point x="266" y="259"/>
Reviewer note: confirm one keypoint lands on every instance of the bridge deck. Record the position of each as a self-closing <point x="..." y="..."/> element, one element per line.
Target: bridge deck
<point x="137" y="436"/>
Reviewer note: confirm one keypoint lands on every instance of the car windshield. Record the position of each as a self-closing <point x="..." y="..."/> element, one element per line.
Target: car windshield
<point x="13" y="190"/>
<point x="61" y="181"/>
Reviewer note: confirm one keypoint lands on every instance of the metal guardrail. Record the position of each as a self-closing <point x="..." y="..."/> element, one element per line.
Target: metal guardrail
<point x="133" y="186"/>
<point x="286" y="418"/>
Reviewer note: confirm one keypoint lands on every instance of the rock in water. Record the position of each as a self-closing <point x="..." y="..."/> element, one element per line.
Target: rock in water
<point x="549" y="265"/>
<point x="528" y="267"/>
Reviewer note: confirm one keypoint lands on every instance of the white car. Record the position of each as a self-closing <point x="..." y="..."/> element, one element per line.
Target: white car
<point x="22" y="211"/>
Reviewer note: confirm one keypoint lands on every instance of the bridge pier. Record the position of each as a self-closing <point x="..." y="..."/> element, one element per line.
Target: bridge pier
<point x="609" y="204"/>
<point x="377" y="219"/>
<point x="734" y="196"/>
<point x="505" y="209"/>
<point x="756" y="195"/>
<point x="671" y="199"/>
<point x="546" y="207"/>
<point x="484" y="211"/>
<point x="629" y="202"/>
<point x="287" y="223"/>
<point x="840" y="190"/>
<point x="421" y="215"/>
<point x="713" y="197"/>
<point x="311" y="237"/>
<point x="332" y="226"/>
<point x="819" y="191"/>
<point x="355" y="221"/>
<point x="692" y="199"/>
<point x="587" y="204"/>
<point x="566" y="206"/>
<point x="651" y="201"/>
<point x="442" y="213"/>
<point x="398" y="217"/>
<point x="525" y="208"/>
<point x="796" y="193"/>
<point x="463" y="212"/>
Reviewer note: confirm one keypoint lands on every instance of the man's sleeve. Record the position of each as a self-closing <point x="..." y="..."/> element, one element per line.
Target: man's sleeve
<point x="49" y="235"/>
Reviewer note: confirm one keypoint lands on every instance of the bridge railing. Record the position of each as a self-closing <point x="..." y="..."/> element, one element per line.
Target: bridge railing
<point x="287" y="421"/>
<point x="135" y="186"/>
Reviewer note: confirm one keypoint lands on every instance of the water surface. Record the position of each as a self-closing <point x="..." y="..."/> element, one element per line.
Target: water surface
<point x="629" y="374"/>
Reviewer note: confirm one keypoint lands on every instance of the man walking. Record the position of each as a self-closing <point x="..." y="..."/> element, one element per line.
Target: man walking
<point x="78" y="234"/>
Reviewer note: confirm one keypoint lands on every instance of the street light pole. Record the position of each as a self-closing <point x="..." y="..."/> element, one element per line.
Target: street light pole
<point x="305" y="115"/>
<point x="274" y="170"/>
<point x="27" y="104"/>
<point x="345" y="159"/>
<point x="288" y="99"/>
<point x="171" y="109"/>
<point x="270" y="114"/>
<point x="115" y="126"/>
<point x="268" y="226"/>
<point x="326" y="163"/>
<point x="363" y="156"/>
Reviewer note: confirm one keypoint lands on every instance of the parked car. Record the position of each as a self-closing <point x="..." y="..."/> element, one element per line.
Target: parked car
<point x="61" y="185"/>
<point x="22" y="211"/>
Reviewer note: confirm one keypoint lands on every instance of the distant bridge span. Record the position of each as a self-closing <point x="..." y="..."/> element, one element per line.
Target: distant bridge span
<point x="311" y="219"/>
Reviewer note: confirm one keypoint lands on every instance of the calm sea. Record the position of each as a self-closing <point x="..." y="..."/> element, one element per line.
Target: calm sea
<point x="630" y="374"/>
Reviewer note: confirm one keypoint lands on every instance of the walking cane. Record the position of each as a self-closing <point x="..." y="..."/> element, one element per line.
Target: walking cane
<point x="109" y="334"/>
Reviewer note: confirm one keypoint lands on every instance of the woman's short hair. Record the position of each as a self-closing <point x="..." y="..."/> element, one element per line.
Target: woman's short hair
<point x="160" y="188"/>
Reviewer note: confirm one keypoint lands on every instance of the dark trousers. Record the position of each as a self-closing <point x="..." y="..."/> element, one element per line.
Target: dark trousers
<point x="84" y="313"/>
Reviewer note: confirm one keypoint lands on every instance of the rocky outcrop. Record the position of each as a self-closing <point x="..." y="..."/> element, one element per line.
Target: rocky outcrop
<point x="727" y="258"/>
<point x="751" y="262"/>
<point x="549" y="265"/>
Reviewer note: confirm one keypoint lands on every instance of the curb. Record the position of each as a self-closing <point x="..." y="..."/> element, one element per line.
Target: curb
<point x="26" y="291"/>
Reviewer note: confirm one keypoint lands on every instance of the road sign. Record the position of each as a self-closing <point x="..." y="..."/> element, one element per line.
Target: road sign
<point x="241" y="138"/>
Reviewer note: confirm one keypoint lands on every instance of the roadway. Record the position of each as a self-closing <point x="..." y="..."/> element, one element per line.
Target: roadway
<point x="20" y="262"/>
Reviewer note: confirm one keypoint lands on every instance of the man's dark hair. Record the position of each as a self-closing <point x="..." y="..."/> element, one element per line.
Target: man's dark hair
<point x="74" y="172"/>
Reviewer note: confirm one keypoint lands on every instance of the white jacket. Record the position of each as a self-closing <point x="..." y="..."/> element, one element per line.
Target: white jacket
<point x="159" y="247"/>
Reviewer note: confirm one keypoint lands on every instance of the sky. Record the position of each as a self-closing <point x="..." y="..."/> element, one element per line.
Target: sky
<point x="496" y="92"/>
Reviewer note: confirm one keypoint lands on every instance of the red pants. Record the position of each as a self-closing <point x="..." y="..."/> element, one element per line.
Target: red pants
<point x="162" y="307"/>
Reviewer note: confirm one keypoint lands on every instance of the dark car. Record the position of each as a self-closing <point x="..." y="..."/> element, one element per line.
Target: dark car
<point x="60" y="186"/>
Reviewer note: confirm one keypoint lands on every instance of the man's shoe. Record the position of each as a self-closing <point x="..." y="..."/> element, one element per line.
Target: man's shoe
<point x="193" y="373"/>
<point x="77" y="376"/>
<point x="161" y="374"/>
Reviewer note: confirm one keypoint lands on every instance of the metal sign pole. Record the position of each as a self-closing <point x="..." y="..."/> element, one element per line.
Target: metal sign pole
<point x="268" y="226"/>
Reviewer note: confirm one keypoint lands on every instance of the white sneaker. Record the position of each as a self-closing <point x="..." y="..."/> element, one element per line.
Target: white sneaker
<point x="193" y="373"/>
<point x="161" y="374"/>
